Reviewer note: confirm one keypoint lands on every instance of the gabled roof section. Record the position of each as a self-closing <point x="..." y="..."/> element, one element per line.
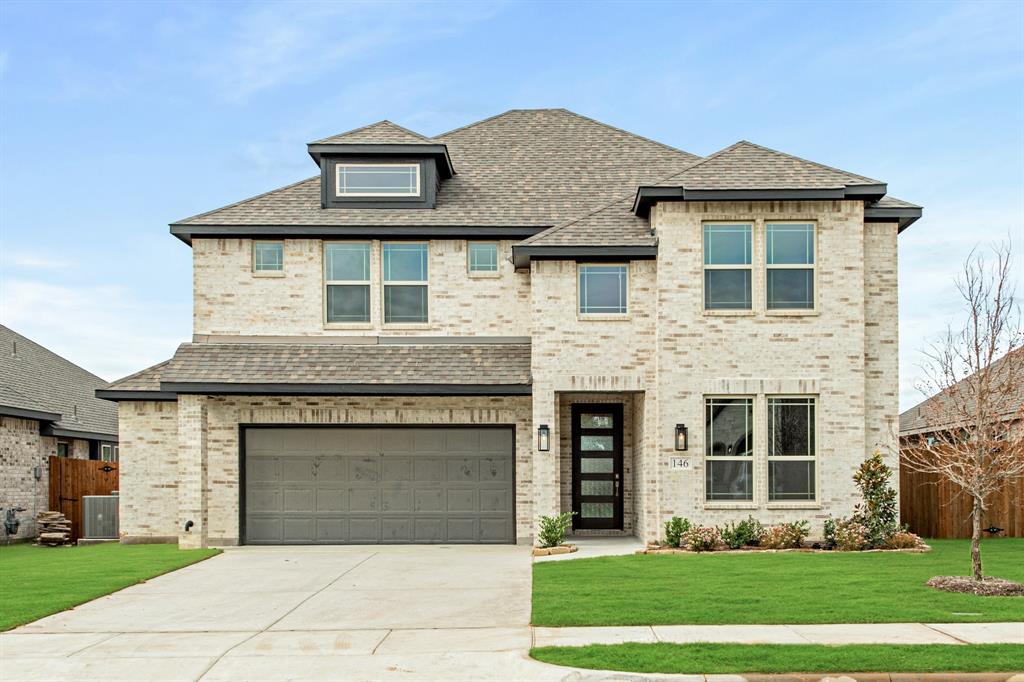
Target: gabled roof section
<point x="892" y="210"/>
<point x="34" y="379"/>
<point x="142" y="385"/>
<point x="525" y="169"/>
<point x="381" y="132"/>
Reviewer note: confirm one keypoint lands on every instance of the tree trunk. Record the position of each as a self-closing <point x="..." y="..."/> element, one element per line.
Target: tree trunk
<point x="976" y="539"/>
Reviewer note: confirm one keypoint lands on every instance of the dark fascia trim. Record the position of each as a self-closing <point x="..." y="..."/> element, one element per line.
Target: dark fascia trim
<point x="904" y="215"/>
<point x="522" y="255"/>
<point x="51" y="430"/>
<point x="647" y="196"/>
<point x="445" y="169"/>
<point x="185" y="232"/>
<point x="115" y="395"/>
<point x="22" y="413"/>
<point x="204" y="388"/>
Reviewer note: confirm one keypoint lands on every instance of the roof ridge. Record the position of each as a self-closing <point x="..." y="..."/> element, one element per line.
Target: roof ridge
<point x="383" y="121"/>
<point x="872" y="181"/>
<point x="482" y="121"/>
<point x="243" y="201"/>
<point x="50" y="352"/>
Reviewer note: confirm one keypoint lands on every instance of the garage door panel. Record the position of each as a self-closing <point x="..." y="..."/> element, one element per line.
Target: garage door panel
<point x="428" y="500"/>
<point x="495" y="500"/>
<point x="298" y="528"/>
<point x="397" y="529"/>
<point x="462" y="529"/>
<point x="462" y="441"/>
<point x="364" y="529"/>
<point x="365" y="469"/>
<point x="464" y="500"/>
<point x="262" y="529"/>
<point x="363" y="500"/>
<point x="396" y="469"/>
<point x="397" y="499"/>
<point x="330" y="468"/>
<point x="296" y="499"/>
<point x="429" y="529"/>
<point x="495" y="530"/>
<point x="495" y="470"/>
<point x="497" y="441"/>
<point x="397" y="441"/>
<point x="296" y="468"/>
<point x="332" y="529"/>
<point x="331" y="500"/>
<point x="462" y="469"/>
<point x="428" y="441"/>
<point x="264" y="499"/>
<point x="428" y="470"/>
<point x="262" y="469"/>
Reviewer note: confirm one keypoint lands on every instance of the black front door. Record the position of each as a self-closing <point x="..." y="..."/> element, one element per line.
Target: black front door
<point x="597" y="466"/>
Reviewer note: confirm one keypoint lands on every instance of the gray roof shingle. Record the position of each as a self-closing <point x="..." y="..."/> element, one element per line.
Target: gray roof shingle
<point x="34" y="378"/>
<point x="382" y="132"/>
<point x="144" y="380"/>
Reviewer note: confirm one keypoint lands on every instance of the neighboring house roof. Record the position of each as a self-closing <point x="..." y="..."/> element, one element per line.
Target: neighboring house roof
<point x="335" y="368"/>
<point x="382" y="132"/>
<point x="919" y="419"/>
<point x="523" y="168"/>
<point x="34" y="379"/>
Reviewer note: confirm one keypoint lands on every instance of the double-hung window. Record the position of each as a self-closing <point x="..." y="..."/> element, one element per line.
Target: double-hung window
<point x="347" y="278"/>
<point x="483" y="258"/>
<point x="789" y="259"/>
<point x="603" y="289"/>
<point x="378" y="179"/>
<point x="267" y="257"/>
<point x="108" y="452"/>
<point x="405" y="283"/>
<point x="792" y="449"/>
<point x="727" y="266"/>
<point x="729" y="449"/>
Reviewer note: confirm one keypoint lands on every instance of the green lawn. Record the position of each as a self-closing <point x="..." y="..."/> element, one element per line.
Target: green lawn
<point x="787" y="658"/>
<point x="774" y="588"/>
<point x="38" y="581"/>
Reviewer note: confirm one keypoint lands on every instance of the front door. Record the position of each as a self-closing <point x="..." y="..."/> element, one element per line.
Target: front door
<point x="597" y="466"/>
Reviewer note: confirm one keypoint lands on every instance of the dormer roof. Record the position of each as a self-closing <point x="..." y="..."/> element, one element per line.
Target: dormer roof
<point x="384" y="140"/>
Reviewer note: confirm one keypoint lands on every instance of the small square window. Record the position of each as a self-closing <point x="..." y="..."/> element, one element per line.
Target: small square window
<point x="603" y="289"/>
<point x="268" y="257"/>
<point x="483" y="257"/>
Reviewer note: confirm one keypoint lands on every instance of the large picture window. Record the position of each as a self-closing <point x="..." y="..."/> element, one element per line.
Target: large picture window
<point x="727" y="267"/>
<point x="347" y="279"/>
<point x="405" y="283"/>
<point x="789" y="260"/>
<point x="729" y="449"/>
<point x="603" y="289"/>
<point x="792" y="449"/>
<point x="378" y="180"/>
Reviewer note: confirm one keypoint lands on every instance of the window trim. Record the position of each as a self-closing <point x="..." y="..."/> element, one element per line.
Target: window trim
<point x="425" y="283"/>
<point x="368" y="282"/>
<point x="580" y="315"/>
<point x="267" y="273"/>
<point x="769" y="458"/>
<point x="483" y="273"/>
<point x="377" y="195"/>
<point x="69" y="451"/>
<point x="110" y="448"/>
<point x="813" y="267"/>
<point x="755" y="435"/>
<point x="749" y="267"/>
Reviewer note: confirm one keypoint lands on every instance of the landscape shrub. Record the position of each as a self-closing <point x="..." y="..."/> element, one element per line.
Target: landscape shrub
<point x="904" y="540"/>
<point x="742" y="534"/>
<point x="702" y="539"/>
<point x="785" y="535"/>
<point x="877" y="511"/>
<point x="850" y="536"/>
<point x="675" y="528"/>
<point x="553" y="529"/>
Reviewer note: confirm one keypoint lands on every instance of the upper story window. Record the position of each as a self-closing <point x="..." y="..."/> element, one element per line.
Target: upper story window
<point x="483" y="258"/>
<point x="347" y="279"/>
<point x="378" y="179"/>
<point x="406" y="279"/>
<point x="789" y="259"/>
<point x="603" y="289"/>
<point x="267" y="257"/>
<point x="727" y="267"/>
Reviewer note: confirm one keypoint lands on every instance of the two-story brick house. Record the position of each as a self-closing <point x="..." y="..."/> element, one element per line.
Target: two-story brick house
<point x="442" y="339"/>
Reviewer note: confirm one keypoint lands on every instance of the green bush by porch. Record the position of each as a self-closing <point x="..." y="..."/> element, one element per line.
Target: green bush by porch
<point x="764" y="587"/>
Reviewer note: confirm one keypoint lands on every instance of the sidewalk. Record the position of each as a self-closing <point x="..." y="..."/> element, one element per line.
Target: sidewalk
<point x="860" y="633"/>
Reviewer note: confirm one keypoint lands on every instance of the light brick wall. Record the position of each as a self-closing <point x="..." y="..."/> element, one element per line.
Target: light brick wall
<point x="230" y="300"/>
<point x="148" y="470"/>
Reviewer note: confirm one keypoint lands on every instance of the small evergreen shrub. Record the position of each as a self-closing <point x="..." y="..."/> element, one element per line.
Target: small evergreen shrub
<point x="877" y="511"/>
<point x="702" y="539"/>
<point x="785" y="535"/>
<point x="850" y="536"/>
<point x="904" y="540"/>
<point x="675" y="528"/>
<point x="553" y="529"/>
<point x="742" y="534"/>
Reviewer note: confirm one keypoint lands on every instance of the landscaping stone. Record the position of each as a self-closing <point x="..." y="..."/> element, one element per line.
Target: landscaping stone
<point x="54" y="528"/>
<point x="548" y="551"/>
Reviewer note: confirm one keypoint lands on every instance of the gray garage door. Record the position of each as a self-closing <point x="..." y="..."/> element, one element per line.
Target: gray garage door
<point x="344" y="485"/>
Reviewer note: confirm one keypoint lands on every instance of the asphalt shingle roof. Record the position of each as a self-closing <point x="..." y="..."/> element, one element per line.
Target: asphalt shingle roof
<point x="382" y="132"/>
<point x="34" y="378"/>
<point x="338" y="363"/>
<point x="144" y="380"/>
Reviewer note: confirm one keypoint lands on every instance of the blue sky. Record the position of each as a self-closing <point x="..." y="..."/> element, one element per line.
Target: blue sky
<point x="118" y="118"/>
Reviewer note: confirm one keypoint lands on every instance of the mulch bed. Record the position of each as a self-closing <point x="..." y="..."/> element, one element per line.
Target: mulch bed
<point x="986" y="587"/>
<point x="661" y="549"/>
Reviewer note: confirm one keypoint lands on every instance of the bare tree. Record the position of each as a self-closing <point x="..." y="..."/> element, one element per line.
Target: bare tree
<point x="974" y="436"/>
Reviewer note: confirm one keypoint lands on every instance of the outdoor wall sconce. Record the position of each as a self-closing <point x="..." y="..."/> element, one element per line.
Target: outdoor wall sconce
<point x="543" y="438"/>
<point x="682" y="437"/>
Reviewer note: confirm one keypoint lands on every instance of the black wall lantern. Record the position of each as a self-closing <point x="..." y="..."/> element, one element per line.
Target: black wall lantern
<point x="543" y="438"/>
<point x="682" y="437"/>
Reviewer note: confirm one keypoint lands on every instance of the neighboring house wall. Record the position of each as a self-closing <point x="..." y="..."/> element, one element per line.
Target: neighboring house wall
<point x="231" y="300"/>
<point x="22" y="449"/>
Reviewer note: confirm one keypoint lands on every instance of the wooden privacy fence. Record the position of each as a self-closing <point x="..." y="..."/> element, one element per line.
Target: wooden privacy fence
<point x="71" y="479"/>
<point x="935" y="508"/>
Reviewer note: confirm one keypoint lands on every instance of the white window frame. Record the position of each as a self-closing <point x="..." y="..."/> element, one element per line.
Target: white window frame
<point x="337" y="180"/>
<point x="813" y="267"/>
<point x="752" y="457"/>
<point x="579" y="293"/>
<point x="108" y="452"/>
<point x="483" y="273"/>
<point x="368" y="282"/>
<point x="788" y="502"/>
<point x="385" y="283"/>
<point x="749" y="267"/>
<point x="267" y="273"/>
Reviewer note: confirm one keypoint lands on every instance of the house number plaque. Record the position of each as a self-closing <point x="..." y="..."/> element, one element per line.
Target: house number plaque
<point x="679" y="463"/>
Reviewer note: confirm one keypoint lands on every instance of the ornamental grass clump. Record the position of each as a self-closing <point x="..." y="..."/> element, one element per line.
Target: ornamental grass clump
<point x="786" y="535"/>
<point x="675" y="528"/>
<point x="701" y="539"/>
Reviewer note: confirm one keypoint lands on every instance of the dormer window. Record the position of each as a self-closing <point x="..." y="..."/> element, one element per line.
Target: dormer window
<point x="378" y="179"/>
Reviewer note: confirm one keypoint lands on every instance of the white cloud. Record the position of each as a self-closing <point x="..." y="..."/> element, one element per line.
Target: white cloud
<point x="107" y="330"/>
<point x="28" y="260"/>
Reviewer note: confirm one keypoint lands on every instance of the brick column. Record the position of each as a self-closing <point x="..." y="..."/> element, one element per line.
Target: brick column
<point x="192" y="467"/>
<point x="546" y="470"/>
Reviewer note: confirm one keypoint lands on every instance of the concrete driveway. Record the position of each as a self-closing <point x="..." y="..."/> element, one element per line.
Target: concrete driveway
<point x="302" y="613"/>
